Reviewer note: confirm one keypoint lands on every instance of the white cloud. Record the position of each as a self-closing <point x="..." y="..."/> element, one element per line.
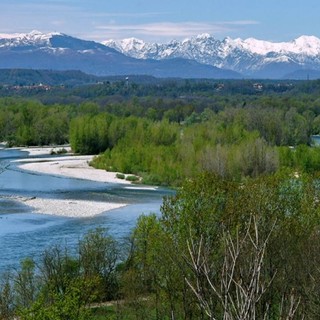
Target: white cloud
<point x="129" y="15"/>
<point x="163" y="31"/>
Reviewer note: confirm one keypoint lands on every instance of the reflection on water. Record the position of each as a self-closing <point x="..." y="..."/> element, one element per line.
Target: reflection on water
<point x="24" y="233"/>
<point x="315" y="140"/>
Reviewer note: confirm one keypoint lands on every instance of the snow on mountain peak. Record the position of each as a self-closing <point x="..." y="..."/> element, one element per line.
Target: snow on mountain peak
<point x="303" y="40"/>
<point x="41" y="35"/>
<point x="247" y="56"/>
<point x="262" y="47"/>
<point x="132" y="43"/>
<point x="306" y="44"/>
<point x="132" y="47"/>
<point x="33" y="38"/>
<point x="11" y="35"/>
<point x="235" y="54"/>
<point x="203" y="36"/>
<point x="34" y="34"/>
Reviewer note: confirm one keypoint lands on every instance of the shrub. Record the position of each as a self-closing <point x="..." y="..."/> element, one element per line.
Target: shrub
<point x="132" y="178"/>
<point x="120" y="176"/>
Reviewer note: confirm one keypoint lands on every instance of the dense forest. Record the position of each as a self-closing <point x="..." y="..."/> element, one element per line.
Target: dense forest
<point x="240" y="238"/>
<point x="207" y="126"/>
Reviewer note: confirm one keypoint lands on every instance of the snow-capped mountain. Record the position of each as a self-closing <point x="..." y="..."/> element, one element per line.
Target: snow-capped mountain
<point x="202" y="56"/>
<point x="32" y="39"/>
<point x="250" y="57"/>
<point x="57" y="51"/>
<point x="53" y="41"/>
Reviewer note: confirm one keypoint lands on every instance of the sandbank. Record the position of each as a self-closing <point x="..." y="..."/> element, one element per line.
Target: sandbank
<point x="71" y="208"/>
<point x="39" y="151"/>
<point x="69" y="166"/>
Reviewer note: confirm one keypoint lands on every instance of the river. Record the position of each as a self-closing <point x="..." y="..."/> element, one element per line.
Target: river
<point x="24" y="233"/>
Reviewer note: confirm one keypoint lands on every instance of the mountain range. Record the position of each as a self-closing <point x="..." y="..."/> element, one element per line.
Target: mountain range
<point x="251" y="57"/>
<point x="56" y="51"/>
<point x="202" y="56"/>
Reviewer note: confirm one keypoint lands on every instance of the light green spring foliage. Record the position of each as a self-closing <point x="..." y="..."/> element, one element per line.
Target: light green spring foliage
<point x="63" y="285"/>
<point x="278" y="215"/>
<point x="31" y="123"/>
<point x="236" y="142"/>
<point x="166" y="153"/>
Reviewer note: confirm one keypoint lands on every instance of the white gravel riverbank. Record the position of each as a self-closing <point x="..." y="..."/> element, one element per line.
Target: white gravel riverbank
<point x="72" y="167"/>
<point x="69" y="166"/>
<point x="70" y="208"/>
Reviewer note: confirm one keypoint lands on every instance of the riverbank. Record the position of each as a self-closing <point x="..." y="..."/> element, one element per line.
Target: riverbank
<point x="68" y="207"/>
<point x="49" y="150"/>
<point x="68" y="166"/>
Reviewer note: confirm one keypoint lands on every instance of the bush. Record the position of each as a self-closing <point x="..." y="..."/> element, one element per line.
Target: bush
<point x="120" y="176"/>
<point x="132" y="178"/>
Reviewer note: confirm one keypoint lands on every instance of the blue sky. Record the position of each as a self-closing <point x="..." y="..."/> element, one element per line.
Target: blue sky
<point x="163" y="20"/>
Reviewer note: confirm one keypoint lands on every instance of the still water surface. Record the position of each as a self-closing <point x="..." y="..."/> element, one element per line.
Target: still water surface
<point x="24" y="233"/>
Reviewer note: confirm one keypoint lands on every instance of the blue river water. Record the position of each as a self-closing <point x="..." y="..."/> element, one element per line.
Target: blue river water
<point x="315" y="139"/>
<point x="24" y="233"/>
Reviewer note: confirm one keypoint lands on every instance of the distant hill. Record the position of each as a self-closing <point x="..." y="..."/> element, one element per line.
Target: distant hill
<point x="70" y="78"/>
<point x="28" y="77"/>
<point x="303" y="75"/>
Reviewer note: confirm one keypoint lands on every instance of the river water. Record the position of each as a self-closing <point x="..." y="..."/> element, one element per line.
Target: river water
<point x="24" y="233"/>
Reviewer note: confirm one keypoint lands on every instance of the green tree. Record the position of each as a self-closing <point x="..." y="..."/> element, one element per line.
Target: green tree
<point x="6" y="298"/>
<point x="236" y="239"/>
<point x="99" y="254"/>
<point x="26" y="284"/>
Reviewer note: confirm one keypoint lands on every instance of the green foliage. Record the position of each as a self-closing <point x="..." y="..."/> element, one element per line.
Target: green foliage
<point x="216" y="243"/>
<point x="26" y="284"/>
<point x="222" y="142"/>
<point x="62" y="306"/>
<point x="146" y="130"/>
<point x="98" y="257"/>
<point x="147" y="269"/>
<point x="7" y="297"/>
<point x="165" y="153"/>
<point x="62" y="286"/>
<point x="132" y="178"/>
<point x="120" y="176"/>
<point x="31" y="123"/>
<point x="89" y="133"/>
<point x="33" y="78"/>
<point x="225" y="227"/>
<point x="143" y="147"/>
<point x="302" y="158"/>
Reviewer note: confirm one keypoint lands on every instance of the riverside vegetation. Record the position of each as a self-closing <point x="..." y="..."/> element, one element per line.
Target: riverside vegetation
<point x="240" y="238"/>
